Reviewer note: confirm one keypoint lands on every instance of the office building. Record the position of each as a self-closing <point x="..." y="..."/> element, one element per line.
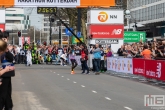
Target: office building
<point x="16" y="19"/>
<point x="150" y="13"/>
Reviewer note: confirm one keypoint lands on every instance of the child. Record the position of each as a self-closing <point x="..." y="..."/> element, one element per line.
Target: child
<point x="29" y="58"/>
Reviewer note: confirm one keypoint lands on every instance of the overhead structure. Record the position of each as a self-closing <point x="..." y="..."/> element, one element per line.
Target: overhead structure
<point x="56" y="3"/>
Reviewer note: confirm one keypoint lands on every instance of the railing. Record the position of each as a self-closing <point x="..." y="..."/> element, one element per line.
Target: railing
<point x="137" y="68"/>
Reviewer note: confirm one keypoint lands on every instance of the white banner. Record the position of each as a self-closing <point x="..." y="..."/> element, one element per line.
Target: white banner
<point x="55" y="30"/>
<point x="102" y="16"/>
<point x="123" y="65"/>
<point x="47" y="3"/>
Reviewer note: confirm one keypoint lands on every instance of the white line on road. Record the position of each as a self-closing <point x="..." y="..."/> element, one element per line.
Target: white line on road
<point x="62" y="76"/>
<point x="82" y="86"/>
<point x="58" y="74"/>
<point x="74" y="82"/>
<point x="68" y="79"/>
<point x="94" y="91"/>
<point x="54" y="72"/>
<point x="107" y="98"/>
<point x="128" y="108"/>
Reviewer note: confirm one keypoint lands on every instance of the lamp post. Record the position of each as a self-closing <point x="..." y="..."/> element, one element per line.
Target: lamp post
<point x="128" y="17"/>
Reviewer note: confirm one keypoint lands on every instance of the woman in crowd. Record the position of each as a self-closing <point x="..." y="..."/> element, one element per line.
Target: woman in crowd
<point x="5" y="80"/>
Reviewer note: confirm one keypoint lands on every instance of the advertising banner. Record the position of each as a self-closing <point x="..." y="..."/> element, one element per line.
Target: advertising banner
<point x="57" y="3"/>
<point x="124" y="65"/>
<point x="3" y="16"/>
<point x="139" y="67"/>
<point x="2" y="27"/>
<point x="130" y="36"/>
<point x="27" y="39"/>
<point x="155" y="69"/>
<point x="107" y="31"/>
<point x="105" y="16"/>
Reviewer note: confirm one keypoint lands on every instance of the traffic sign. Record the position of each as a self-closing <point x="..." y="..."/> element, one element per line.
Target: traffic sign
<point x="78" y="34"/>
<point x="134" y="36"/>
<point x="107" y="41"/>
<point x="67" y="32"/>
<point x="55" y="30"/>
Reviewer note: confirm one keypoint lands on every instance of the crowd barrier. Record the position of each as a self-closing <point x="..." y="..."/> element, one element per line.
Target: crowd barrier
<point x="150" y="69"/>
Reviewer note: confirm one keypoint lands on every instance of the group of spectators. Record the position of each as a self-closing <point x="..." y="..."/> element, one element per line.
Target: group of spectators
<point x="154" y="49"/>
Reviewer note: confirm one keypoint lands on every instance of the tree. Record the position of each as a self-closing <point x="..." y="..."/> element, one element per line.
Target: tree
<point x="31" y="34"/>
<point x="72" y="15"/>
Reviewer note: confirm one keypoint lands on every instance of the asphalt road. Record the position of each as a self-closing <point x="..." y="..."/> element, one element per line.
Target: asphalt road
<point x="50" y="87"/>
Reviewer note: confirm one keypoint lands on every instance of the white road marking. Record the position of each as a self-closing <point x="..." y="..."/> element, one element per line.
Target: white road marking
<point x="74" y="82"/>
<point x="58" y="74"/>
<point x="107" y="98"/>
<point x="94" y="91"/>
<point x="82" y="86"/>
<point x="62" y="76"/>
<point x="128" y="108"/>
<point x="54" y="72"/>
<point x="68" y="79"/>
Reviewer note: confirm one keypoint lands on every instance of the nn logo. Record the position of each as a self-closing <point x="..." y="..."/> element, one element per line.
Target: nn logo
<point x="116" y="32"/>
<point x="103" y="16"/>
<point x="154" y="100"/>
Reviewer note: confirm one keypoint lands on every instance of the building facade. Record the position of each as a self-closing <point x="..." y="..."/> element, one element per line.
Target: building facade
<point x="151" y="14"/>
<point x="55" y="24"/>
<point x="16" y="19"/>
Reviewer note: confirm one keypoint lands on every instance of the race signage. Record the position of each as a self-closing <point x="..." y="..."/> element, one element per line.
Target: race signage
<point x="57" y="3"/>
<point x="107" y="41"/>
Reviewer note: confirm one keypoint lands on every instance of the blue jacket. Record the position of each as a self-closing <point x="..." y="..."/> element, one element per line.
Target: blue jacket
<point x="97" y="53"/>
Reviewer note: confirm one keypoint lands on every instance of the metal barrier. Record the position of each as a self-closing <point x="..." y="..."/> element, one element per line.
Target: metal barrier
<point x="140" y="69"/>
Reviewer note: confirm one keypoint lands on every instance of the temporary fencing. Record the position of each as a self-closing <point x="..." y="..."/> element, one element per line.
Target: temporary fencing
<point x="142" y="69"/>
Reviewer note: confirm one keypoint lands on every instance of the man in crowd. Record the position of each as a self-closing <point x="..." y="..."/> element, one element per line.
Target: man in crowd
<point x="97" y="58"/>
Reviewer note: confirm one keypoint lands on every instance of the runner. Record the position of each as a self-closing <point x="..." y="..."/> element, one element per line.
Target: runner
<point x="72" y="59"/>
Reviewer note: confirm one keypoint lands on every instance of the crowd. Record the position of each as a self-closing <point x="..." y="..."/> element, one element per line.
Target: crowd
<point x="154" y="49"/>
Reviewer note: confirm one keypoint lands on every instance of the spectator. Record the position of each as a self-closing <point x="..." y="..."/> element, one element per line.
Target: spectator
<point x="120" y="51"/>
<point x="109" y="52"/>
<point x="146" y="53"/>
<point x="97" y="58"/>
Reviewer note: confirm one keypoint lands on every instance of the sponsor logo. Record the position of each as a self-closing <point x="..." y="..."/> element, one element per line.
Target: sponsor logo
<point x="139" y="70"/>
<point x="116" y="32"/>
<point x="103" y="17"/>
<point x="158" y="73"/>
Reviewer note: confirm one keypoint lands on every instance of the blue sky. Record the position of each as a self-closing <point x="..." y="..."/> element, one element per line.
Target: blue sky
<point x="35" y="19"/>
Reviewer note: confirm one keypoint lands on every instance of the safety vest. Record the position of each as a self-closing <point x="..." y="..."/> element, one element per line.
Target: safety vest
<point x="26" y="46"/>
<point x="35" y="47"/>
<point x="48" y="58"/>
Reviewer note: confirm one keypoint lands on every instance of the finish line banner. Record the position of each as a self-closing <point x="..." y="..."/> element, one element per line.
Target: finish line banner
<point x="56" y="3"/>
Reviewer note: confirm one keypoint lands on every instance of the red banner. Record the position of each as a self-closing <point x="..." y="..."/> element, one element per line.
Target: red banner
<point x="155" y="69"/>
<point x="2" y="27"/>
<point x="107" y="31"/>
<point x="139" y="67"/>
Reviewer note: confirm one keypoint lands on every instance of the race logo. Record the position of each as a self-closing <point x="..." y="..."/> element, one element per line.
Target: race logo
<point x="158" y="72"/>
<point x="103" y="17"/>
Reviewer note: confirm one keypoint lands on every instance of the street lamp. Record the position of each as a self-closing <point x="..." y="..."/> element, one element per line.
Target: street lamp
<point x="128" y="17"/>
<point x="51" y="20"/>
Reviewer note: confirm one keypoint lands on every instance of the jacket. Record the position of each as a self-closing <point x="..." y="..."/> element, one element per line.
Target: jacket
<point x="97" y="53"/>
